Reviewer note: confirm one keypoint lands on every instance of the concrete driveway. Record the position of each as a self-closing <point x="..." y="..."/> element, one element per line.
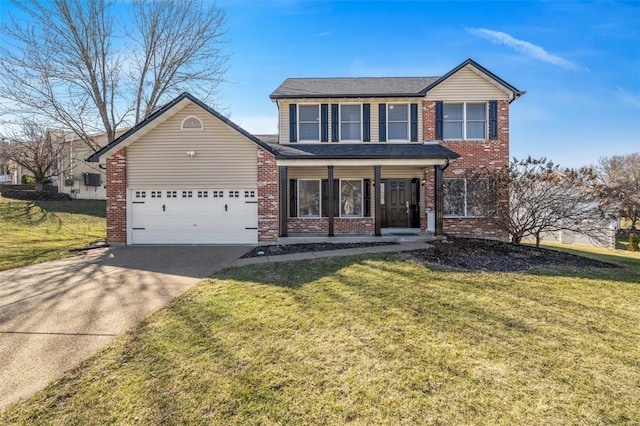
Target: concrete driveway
<point x="55" y="314"/>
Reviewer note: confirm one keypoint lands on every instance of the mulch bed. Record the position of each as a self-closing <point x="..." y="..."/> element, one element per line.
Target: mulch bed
<point x="497" y="256"/>
<point x="463" y="253"/>
<point x="277" y="250"/>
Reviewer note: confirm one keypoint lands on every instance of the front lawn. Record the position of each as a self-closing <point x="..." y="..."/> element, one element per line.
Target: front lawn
<point x="38" y="231"/>
<point x="378" y="339"/>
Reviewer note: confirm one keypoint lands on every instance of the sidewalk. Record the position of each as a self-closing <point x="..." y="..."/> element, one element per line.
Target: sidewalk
<point x="402" y="246"/>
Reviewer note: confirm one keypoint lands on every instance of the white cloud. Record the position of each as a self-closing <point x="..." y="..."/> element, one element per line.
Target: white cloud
<point x="323" y="34"/>
<point x="257" y="124"/>
<point x="628" y="98"/>
<point x="522" y="46"/>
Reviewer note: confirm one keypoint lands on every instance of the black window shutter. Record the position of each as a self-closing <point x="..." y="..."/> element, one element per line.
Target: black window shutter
<point x="324" y="122"/>
<point x="293" y="125"/>
<point x="493" y="119"/>
<point x="439" y="118"/>
<point x="324" y="195"/>
<point x="335" y="137"/>
<point x="366" y="122"/>
<point x="293" y="198"/>
<point x="366" y="198"/>
<point x="382" y="122"/>
<point x="414" y="122"/>
<point x="336" y="198"/>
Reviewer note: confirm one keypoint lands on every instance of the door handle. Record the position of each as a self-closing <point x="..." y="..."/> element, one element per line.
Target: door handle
<point x="226" y="207"/>
<point x="164" y="208"/>
<point x="406" y="204"/>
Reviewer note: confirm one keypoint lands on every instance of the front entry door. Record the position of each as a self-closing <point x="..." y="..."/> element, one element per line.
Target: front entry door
<point x="398" y="197"/>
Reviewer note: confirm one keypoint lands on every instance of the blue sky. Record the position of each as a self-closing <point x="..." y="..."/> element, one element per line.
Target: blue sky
<point x="578" y="61"/>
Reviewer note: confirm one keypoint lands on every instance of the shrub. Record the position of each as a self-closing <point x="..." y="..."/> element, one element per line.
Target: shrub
<point x="634" y="242"/>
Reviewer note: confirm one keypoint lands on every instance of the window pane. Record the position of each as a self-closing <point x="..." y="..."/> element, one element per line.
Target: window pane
<point x="350" y="113"/>
<point x="309" y="198"/>
<point x="476" y="130"/>
<point x="309" y="113"/>
<point x="452" y="111"/>
<point x="477" y="193"/>
<point x="454" y="197"/>
<point x="398" y="131"/>
<point x="351" y="198"/>
<point x="398" y="113"/>
<point x="452" y="130"/>
<point x="350" y="131"/>
<point x="309" y="132"/>
<point x="476" y="112"/>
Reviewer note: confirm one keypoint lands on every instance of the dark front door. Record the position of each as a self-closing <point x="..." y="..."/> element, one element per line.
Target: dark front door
<point x="397" y="203"/>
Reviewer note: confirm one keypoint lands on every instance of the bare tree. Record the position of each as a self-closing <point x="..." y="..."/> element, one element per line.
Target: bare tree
<point x="620" y="176"/>
<point x="542" y="198"/>
<point x="36" y="149"/>
<point x="70" y="64"/>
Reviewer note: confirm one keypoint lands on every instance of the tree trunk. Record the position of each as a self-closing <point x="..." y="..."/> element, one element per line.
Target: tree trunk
<point x="538" y="240"/>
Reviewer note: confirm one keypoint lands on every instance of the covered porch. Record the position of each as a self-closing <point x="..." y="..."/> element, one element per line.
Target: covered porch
<point x="365" y="190"/>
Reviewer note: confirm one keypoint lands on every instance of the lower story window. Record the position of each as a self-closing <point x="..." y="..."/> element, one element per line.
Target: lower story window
<point x="350" y="197"/>
<point x="465" y="197"/>
<point x="308" y="198"/>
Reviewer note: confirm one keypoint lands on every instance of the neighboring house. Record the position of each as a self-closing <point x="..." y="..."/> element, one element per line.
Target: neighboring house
<point x="76" y="176"/>
<point x="352" y="156"/>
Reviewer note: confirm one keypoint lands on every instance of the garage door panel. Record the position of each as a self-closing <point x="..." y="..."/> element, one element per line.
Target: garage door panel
<point x="198" y="219"/>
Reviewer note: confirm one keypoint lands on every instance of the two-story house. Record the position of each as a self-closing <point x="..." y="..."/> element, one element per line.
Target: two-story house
<point x="364" y="156"/>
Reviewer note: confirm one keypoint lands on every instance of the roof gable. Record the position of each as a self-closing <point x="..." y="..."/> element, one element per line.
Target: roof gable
<point x="160" y="116"/>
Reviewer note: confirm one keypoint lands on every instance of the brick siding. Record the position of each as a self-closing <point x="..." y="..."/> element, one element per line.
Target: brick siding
<point x="117" y="198"/>
<point x="267" y="197"/>
<point x="492" y="154"/>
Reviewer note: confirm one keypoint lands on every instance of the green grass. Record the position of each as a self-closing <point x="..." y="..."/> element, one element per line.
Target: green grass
<point x="368" y="340"/>
<point x="38" y="231"/>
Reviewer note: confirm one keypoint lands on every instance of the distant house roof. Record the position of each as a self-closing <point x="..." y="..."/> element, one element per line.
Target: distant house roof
<point x="362" y="87"/>
<point x="359" y="150"/>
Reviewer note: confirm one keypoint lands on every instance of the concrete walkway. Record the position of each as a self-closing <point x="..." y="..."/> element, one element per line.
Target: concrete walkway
<point x="55" y="314"/>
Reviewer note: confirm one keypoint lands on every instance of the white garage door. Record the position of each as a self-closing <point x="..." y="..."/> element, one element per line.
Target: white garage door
<point x="194" y="216"/>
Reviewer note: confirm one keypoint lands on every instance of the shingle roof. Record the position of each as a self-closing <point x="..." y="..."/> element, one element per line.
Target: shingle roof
<point x="360" y="150"/>
<point x="352" y="87"/>
<point x="362" y="87"/>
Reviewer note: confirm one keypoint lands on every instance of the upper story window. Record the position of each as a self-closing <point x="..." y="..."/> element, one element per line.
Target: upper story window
<point x="351" y="122"/>
<point x="309" y="122"/>
<point x="464" y="120"/>
<point x="398" y="122"/>
<point x="192" y="123"/>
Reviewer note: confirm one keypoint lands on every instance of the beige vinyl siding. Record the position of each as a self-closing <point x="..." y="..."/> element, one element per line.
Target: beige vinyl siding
<point x="374" y="117"/>
<point x="224" y="158"/>
<point x="468" y="85"/>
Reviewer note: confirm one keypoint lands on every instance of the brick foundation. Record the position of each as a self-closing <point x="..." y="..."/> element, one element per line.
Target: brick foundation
<point x="267" y="197"/>
<point x="117" y="198"/>
<point x="359" y="225"/>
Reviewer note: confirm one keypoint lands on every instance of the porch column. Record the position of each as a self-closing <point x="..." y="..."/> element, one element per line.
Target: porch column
<point x="439" y="200"/>
<point x="330" y="199"/>
<point x="283" y="211"/>
<point x="377" y="207"/>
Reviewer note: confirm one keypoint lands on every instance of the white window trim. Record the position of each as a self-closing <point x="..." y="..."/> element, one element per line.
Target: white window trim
<point x="466" y="209"/>
<point x="340" y="199"/>
<point x="464" y="122"/>
<point x="192" y="129"/>
<point x="319" y="198"/>
<point x="408" y="105"/>
<point x="299" y="122"/>
<point x="340" y="123"/>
